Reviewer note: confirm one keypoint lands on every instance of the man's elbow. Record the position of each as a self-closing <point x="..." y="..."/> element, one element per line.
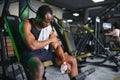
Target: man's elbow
<point x="55" y="45"/>
<point x="32" y="47"/>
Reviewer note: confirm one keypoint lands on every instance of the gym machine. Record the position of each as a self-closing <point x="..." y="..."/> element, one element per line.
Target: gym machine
<point x="83" y="75"/>
<point x="64" y="34"/>
<point x="6" y="59"/>
<point x="105" y="54"/>
<point x="15" y="39"/>
<point x="10" y="21"/>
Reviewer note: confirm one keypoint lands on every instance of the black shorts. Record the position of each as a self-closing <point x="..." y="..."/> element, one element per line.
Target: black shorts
<point x="42" y="54"/>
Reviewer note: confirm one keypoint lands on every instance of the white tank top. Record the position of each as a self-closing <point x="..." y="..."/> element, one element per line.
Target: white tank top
<point x="44" y="34"/>
<point x="117" y="32"/>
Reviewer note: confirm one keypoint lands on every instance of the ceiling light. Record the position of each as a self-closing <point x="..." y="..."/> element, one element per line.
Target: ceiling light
<point x="63" y="8"/>
<point x="64" y="21"/>
<point x="69" y="20"/>
<point x="75" y="14"/>
<point x="97" y="1"/>
<point x="89" y="18"/>
<point x="91" y="8"/>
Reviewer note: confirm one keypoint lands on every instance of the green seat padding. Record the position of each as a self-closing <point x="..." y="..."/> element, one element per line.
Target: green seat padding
<point x="116" y="49"/>
<point x="68" y="37"/>
<point x="87" y="28"/>
<point x="83" y="55"/>
<point x="20" y="30"/>
<point x="70" y="41"/>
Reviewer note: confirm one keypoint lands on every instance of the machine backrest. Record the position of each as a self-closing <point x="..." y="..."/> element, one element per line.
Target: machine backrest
<point x="12" y="25"/>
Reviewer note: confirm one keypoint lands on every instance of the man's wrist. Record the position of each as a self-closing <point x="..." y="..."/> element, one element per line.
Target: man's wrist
<point x="64" y="62"/>
<point x="49" y="40"/>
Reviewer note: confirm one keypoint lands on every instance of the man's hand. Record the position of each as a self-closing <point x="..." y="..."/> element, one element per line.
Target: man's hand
<point x="53" y="38"/>
<point x="68" y="69"/>
<point x="65" y="68"/>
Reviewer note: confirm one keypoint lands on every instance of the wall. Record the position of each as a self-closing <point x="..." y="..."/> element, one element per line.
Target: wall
<point x="35" y="4"/>
<point x="1" y="7"/>
<point x="14" y="8"/>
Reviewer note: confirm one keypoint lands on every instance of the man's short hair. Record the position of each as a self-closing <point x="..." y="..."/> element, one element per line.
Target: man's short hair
<point x="43" y="10"/>
<point x="115" y="24"/>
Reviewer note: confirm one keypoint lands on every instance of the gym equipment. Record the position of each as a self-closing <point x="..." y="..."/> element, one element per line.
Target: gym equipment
<point x="83" y="43"/>
<point x="6" y="59"/>
<point x="106" y="56"/>
<point x="12" y="26"/>
<point x="23" y="9"/>
<point x="63" y="30"/>
<point x="2" y="55"/>
<point x="66" y="38"/>
<point x="12" y="23"/>
<point x="108" y="9"/>
<point x="83" y="75"/>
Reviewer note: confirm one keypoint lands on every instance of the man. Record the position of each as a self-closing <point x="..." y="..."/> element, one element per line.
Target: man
<point x="115" y="33"/>
<point x="38" y="35"/>
<point x="114" y="36"/>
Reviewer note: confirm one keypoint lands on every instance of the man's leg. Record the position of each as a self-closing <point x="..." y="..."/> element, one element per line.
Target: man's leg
<point x="36" y="67"/>
<point x="72" y="63"/>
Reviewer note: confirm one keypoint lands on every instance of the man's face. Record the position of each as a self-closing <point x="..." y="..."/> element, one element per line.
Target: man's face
<point x="47" y="20"/>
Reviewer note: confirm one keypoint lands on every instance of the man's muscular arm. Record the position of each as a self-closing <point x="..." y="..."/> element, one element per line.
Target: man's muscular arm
<point x="30" y="39"/>
<point x="57" y="47"/>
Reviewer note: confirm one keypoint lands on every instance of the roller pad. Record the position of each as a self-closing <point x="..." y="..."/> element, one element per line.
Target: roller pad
<point x="83" y="75"/>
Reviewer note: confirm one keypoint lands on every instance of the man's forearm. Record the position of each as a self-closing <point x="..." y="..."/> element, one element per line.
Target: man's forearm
<point x="60" y="53"/>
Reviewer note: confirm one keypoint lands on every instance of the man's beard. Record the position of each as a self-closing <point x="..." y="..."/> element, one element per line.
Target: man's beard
<point x="41" y="25"/>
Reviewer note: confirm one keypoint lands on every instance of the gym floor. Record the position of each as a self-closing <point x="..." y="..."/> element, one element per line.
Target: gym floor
<point x="52" y="73"/>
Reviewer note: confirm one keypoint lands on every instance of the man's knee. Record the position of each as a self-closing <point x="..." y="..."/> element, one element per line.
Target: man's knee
<point x="36" y="64"/>
<point x="40" y="67"/>
<point x="73" y="60"/>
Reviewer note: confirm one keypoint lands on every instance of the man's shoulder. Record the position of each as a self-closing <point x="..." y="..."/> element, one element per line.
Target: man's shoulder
<point x="26" y="21"/>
